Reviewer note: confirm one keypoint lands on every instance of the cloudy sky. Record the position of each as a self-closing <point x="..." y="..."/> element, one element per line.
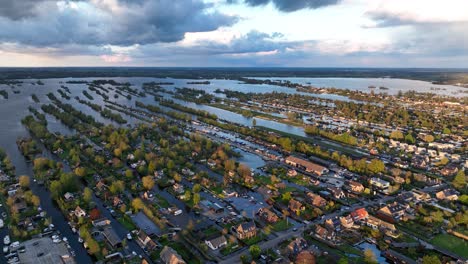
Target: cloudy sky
<point x="289" y="33"/>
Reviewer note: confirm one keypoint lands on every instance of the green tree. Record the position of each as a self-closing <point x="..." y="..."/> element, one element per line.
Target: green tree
<point x="396" y="134"/>
<point x="129" y="173"/>
<point x="87" y="195"/>
<point x="376" y="166"/>
<point x="410" y="139"/>
<point x="148" y="182"/>
<point x="255" y="251"/>
<point x="196" y="198"/>
<point x="432" y="259"/>
<point x="137" y="204"/>
<point x="369" y="257"/>
<point x="80" y="171"/>
<point x="117" y="187"/>
<point x="459" y="181"/>
<point x="24" y="181"/>
<point x="196" y="188"/>
<point x="343" y="260"/>
<point x="187" y="195"/>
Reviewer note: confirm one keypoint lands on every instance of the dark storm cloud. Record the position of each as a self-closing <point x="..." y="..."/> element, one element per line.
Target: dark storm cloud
<point x="290" y="5"/>
<point x="134" y="22"/>
<point x="18" y="9"/>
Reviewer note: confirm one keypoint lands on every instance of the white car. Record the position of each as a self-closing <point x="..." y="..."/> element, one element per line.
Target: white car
<point x="6" y="240"/>
<point x="1" y="223"/>
<point x="129" y="236"/>
<point x="5" y="249"/>
<point x="80" y="240"/>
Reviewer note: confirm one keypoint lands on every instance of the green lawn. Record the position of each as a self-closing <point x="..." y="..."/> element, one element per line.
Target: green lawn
<point x="126" y="222"/>
<point x="281" y="225"/>
<point x="451" y="243"/>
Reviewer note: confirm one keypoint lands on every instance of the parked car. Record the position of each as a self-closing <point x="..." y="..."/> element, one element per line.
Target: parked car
<point x="129" y="236"/>
<point x="6" y="240"/>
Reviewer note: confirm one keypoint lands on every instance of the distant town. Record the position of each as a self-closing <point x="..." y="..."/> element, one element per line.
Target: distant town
<point x="232" y="170"/>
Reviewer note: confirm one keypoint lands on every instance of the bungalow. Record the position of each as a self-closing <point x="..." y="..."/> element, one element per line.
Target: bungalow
<point x="216" y="243"/>
<point x="245" y="230"/>
<point x="170" y="256"/>
<point x="79" y="212"/>
<point x="267" y="215"/>
<point x="447" y="194"/>
<point x="316" y="200"/>
<point x="296" y="206"/>
<point x="306" y="165"/>
<point x="359" y="214"/>
<point x="297" y="245"/>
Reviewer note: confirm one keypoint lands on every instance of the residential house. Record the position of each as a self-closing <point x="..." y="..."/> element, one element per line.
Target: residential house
<point x="355" y="186"/>
<point x="296" y="206"/>
<point x="324" y="233"/>
<point x="230" y="194"/>
<point x="178" y="188"/>
<point x="392" y="212"/>
<point x="111" y="237"/>
<point x="68" y="197"/>
<point x="333" y="224"/>
<point x="306" y="165"/>
<point x="267" y="215"/>
<point x="216" y="243"/>
<point x="145" y="241"/>
<point x="447" y="195"/>
<point x="337" y="192"/>
<point x="101" y="186"/>
<point x="359" y="215"/>
<point x="347" y="221"/>
<point x="79" y="212"/>
<point x="449" y="170"/>
<point x="245" y="230"/>
<point x="316" y="200"/>
<point x="19" y="206"/>
<point x="292" y="173"/>
<point x="170" y="256"/>
<point x="297" y="245"/>
<point x="379" y="183"/>
<point x="420" y="196"/>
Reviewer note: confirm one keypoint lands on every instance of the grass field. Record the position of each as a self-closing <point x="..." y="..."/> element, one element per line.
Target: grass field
<point x="451" y="243"/>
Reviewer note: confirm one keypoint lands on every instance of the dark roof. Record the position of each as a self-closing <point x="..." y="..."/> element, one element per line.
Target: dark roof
<point x="111" y="236"/>
<point x="145" y="224"/>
